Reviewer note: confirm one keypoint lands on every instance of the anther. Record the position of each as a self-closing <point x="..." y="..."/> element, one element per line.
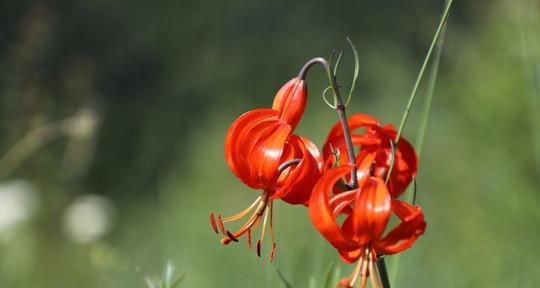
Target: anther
<point x="248" y="236"/>
<point x="231" y="236"/>
<point x="259" y="248"/>
<point x="273" y="252"/>
<point x="213" y="222"/>
<point x="220" y="224"/>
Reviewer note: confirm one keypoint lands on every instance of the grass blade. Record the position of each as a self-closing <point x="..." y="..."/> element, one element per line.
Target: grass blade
<point x="426" y="109"/>
<point x="422" y="69"/>
<point x="282" y="278"/>
<point x="356" y="70"/>
<point x="437" y="38"/>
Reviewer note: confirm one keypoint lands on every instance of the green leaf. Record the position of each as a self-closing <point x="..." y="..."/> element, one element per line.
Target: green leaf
<point x="151" y="283"/>
<point x="333" y="106"/>
<point x="332" y="276"/>
<point x="337" y="62"/>
<point x="176" y="283"/>
<point x="282" y="278"/>
<point x="168" y="275"/>
<point x="356" y="70"/>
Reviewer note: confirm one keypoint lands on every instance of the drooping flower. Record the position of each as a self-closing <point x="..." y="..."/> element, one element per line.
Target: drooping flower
<point x="262" y="152"/>
<point x="376" y="142"/>
<point x="360" y="237"/>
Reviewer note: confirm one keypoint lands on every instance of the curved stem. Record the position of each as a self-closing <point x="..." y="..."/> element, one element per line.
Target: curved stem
<point x="340" y="107"/>
<point x="288" y="164"/>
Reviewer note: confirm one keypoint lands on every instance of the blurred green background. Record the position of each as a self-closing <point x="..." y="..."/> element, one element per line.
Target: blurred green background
<point x="113" y="116"/>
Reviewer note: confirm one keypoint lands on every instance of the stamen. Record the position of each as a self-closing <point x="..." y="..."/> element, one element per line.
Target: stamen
<point x="259" y="248"/>
<point x="248" y="236"/>
<point x="273" y="252"/>
<point x="264" y="224"/>
<point x="213" y="222"/>
<point x="243" y="213"/>
<point x="364" y="272"/>
<point x="220" y="224"/>
<point x="251" y="221"/>
<point x="357" y="269"/>
<point x="231" y="236"/>
<point x="272" y="231"/>
<point x="262" y="232"/>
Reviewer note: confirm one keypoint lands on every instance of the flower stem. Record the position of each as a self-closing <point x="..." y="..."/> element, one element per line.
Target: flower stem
<point x="383" y="273"/>
<point x="340" y="107"/>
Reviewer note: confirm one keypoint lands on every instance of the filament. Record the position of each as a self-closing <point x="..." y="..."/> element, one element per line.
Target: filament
<point x="243" y="213"/>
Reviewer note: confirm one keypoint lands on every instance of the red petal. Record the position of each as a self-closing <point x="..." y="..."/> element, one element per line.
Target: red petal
<point x="265" y="156"/>
<point x="350" y="256"/>
<point x="296" y="185"/>
<point x="290" y="101"/>
<point x="336" y="138"/>
<point x="405" y="234"/>
<point x="371" y="212"/>
<point x="234" y="141"/>
<point x="321" y="212"/>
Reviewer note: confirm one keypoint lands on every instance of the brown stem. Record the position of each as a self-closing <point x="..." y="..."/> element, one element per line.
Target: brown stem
<point x="340" y="107"/>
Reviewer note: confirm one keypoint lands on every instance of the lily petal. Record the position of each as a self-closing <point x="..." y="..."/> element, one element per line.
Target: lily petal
<point x="321" y="213"/>
<point x="290" y="101"/>
<point x="405" y="234"/>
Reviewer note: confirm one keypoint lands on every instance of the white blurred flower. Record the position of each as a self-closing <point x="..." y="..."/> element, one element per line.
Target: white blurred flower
<point x="18" y="202"/>
<point x="88" y="218"/>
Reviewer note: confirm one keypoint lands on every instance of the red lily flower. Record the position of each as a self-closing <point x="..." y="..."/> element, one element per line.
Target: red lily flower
<point x="375" y="141"/>
<point x="262" y="152"/>
<point x="360" y="237"/>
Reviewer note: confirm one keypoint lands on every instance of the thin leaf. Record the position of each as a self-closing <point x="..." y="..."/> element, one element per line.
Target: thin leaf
<point x="429" y="96"/>
<point x="150" y="282"/>
<point x="333" y="106"/>
<point x="337" y="63"/>
<point x="312" y="282"/>
<point x="168" y="275"/>
<point x="332" y="276"/>
<point x="356" y="70"/>
<point x="177" y="282"/>
<point x="282" y="278"/>
<point x="422" y="69"/>
<point x="439" y="34"/>
<point x="421" y="75"/>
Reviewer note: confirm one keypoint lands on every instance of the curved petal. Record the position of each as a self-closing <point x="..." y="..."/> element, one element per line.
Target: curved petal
<point x="290" y="101"/>
<point x="405" y="234"/>
<point x="337" y="140"/>
<point x="357" y="120"/>
<point x="350" y="256"/>
<point x="265" y="155"/>
<point x="296" y="187"/>
<point x="321" y="213"/>
<point x="405" y="162"/>
<point x="371" y="212"/>
<point x="235" y="139"/>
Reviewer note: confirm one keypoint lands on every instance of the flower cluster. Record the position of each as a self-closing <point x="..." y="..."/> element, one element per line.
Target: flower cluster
<point x="353" y="215"/>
